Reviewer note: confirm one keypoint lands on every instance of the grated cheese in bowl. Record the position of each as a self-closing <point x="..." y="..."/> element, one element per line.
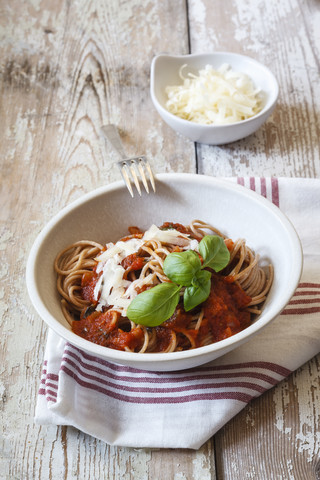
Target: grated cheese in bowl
<point x="214" y="97"/>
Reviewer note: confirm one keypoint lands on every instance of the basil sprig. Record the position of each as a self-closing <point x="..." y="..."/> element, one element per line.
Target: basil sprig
<point x="184" y="269"/>
<point x="154" y="306"/>
<point x="198" y="291"/>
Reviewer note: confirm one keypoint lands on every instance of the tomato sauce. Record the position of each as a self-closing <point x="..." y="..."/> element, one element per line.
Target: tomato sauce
<point x="179" y="323"/>
<point x="164" y="336"/>
<point x="95" y="327"/>
<point x="132" y="263"/>
<point x="224" y="314"/>
<point x="101" y="328"/>
<point x="119" y="340"/>
<point x="176" y="226"/>
<point x="180" y="319"/>
<point x="88" y="283"/>
<point x="135" y="231"/>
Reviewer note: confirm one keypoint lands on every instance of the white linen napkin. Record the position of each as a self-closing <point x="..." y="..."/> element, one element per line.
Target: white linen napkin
<point x="128" y="407"/>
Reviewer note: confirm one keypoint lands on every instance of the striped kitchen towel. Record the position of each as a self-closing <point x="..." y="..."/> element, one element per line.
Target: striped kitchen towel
<point x="128" y="407"/>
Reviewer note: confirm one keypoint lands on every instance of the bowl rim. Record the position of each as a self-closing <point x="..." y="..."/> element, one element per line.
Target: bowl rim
<point x="269" y="105"/>
<point x="137" y="358"/>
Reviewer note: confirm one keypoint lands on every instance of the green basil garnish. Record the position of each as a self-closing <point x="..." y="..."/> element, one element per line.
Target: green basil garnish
<point x="181" y="267"/>
<point x="198" y="292"/>
<point x="214" y="252"/>
<point x="184" y="269"/>
<point x="154" y="306"/>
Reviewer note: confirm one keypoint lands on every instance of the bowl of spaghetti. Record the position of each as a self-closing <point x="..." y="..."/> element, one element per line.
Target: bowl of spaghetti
<point x="167" y="281"/>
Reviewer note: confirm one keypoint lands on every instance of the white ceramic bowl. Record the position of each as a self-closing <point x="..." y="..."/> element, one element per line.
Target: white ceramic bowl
<point x="165" y="71"/>
<point x="104" y="215"/>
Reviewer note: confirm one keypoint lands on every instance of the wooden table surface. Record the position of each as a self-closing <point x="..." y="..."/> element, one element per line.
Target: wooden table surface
<point x="66" y="68"/>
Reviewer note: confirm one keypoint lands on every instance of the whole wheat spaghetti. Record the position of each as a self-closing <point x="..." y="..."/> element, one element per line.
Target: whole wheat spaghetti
<point x="96" y="310"/>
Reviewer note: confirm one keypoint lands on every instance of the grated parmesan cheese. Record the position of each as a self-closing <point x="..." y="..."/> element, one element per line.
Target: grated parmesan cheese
<point x="167" y="236"/>
<point x="111" y="288"/>
<point x="214" y="97"/>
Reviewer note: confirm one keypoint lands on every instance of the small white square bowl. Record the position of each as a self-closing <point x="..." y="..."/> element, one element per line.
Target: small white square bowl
<point x="165" y="72"/>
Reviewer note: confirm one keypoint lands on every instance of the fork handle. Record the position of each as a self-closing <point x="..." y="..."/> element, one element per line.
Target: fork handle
<point x="111" y="133"/>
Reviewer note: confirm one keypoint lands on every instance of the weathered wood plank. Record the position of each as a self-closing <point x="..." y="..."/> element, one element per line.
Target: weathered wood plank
<point x="285" y="38"/>
<point x="277" y="436"/>
<point x="65" y="69"/>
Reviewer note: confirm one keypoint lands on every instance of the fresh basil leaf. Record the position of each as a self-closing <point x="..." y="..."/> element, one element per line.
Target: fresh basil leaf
<point x="181" y="267"/>
<point x="214" y="252"/>
<point x="154" y="306"/>
<point x="199" y="291"/>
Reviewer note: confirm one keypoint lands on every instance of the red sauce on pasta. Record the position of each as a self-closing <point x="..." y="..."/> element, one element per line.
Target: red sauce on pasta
<point x="176" y="226"/>
<point x="224" y="313"/>
<point x="88" y="282"/>
<point x="138" y="267"/>
<point x="132" y="263"/>
<point x="224" y="316"/>
<point x="101" y="328"/>
<point x="163" y="336"/>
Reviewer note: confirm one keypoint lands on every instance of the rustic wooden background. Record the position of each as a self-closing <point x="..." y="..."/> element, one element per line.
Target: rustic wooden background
<point x="66" y="67"/>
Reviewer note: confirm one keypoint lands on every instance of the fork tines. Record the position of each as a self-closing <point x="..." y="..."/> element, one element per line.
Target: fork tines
<point x="133" y="168"/>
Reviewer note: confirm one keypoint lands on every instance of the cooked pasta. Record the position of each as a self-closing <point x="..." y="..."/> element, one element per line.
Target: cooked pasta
<point x="98" y="283"/>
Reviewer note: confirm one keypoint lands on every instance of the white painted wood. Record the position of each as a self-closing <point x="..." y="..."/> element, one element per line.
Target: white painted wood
<point x="66" y="68"/>
<point x="277" y="436"/>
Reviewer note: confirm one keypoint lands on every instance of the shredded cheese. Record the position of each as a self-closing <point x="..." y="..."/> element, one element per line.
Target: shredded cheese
<point x="214" y="97"/>
<point x="112" y="289"/>
<point x="167" y="236"/>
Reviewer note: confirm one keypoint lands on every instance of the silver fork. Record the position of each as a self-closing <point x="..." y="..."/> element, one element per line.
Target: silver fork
<point x="130" y="168"/>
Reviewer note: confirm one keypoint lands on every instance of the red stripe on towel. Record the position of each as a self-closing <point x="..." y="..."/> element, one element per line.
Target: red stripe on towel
<point x="300" y="311"/>
<point x="263" y="187"/>
<point x="243" y="397"/>
<point x="275" y="191"/>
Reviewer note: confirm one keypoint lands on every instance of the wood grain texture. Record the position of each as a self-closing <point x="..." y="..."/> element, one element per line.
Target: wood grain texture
<point x="285" y="38"/>
<point x="65" y="69"/>
<point x="277" y="435"/>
